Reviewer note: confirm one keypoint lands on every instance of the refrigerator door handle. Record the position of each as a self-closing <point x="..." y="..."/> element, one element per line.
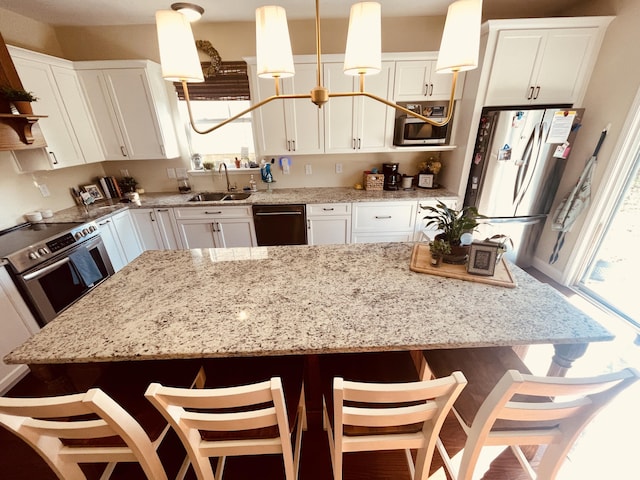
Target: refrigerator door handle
<point x="531" y="219"/>
<point x="527" y="169"/>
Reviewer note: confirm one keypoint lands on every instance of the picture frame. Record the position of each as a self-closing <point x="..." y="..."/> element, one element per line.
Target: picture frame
<point x="415" y="108"/>
<point x="482" y="258"/>
<point x="94" y="191"/>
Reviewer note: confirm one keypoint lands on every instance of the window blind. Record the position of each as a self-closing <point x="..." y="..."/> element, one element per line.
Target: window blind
<point x="231" y="82"/>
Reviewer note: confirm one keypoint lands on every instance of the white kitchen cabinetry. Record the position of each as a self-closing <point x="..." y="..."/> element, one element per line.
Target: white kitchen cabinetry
<point x="541" y="66"/>
<point x="157" y="228"/>
<point x="422" y="233"/>
<point x="130" y="106"/>
<point x="118" y="232"/>
<point x="216" y="226"/>
<point x="358" y="124"/>
<point x="68" y="128"/>
<point x="328" y="223"/>
<point x="383" y="222"/>
<point x="283" y="126"/>
<point x="417" y="80"/>
<point x="17" y="325"/>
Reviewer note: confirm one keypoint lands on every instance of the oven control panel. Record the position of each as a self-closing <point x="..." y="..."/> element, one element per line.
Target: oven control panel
<point x="47" y="249"/>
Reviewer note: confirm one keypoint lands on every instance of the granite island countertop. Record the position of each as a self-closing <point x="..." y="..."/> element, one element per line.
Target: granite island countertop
<point x="297" y="300"/>
<point x="262" y="197"/>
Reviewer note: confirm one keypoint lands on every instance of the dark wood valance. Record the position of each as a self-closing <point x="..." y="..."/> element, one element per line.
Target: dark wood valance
<point x="230" y="83"/>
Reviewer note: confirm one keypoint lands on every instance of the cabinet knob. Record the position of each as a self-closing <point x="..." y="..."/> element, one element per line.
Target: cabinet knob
<point x="383" y="217"/>
<point x="53" y="155"/>
<point x="536" y="93"/>
<point x="123" y="150"/>
<point x="430" y="89"/>
<point x="530" y="96"/>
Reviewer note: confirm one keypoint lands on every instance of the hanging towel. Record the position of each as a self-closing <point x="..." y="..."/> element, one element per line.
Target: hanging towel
<point x="575" y="202"/>
<point x="84" y="268"/>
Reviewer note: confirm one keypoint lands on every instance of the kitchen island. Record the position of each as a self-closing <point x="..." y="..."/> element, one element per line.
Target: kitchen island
<point x="208" y="303"/>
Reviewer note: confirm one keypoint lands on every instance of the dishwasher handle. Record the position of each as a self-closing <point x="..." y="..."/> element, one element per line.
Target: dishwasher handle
<point x="259" y="214"/>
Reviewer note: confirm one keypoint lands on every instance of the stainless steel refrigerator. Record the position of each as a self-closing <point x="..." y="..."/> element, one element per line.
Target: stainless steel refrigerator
<point x="520" y="155"/>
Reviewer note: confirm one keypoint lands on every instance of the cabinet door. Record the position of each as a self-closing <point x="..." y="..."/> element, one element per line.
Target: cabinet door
<point x="288" y="125"/>
<point x="564" y="63"/>
<point x="62" y="145"/>
<point x="127" y="234"/>
<point x="417" y="80"/>
<point x="328" y="230"/>
<point x="110" y="136"/>
<point x="511" y="73"/>
<point x="235" y="232"/>
<point x="197" y="233"/>
<point x="357" y="124"/>
<point x="112" y="244"/>
<point x="147" y="229"/>
<point x="17" y="325"/>
<point x="166" y="223"/>
<point x="134" y="108"/>
<point x="79" y="114"/>
<point x="304" y="118"/>
<point x="422" y="233"/>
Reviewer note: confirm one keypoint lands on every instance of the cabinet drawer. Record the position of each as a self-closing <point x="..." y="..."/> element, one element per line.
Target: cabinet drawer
<point x="214" y="211"/>
<point x="384" y="217"/>
<point x="324" y="209"/>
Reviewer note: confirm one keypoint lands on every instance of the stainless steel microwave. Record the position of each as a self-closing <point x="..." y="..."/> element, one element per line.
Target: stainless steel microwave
<point x="411" y="131"/>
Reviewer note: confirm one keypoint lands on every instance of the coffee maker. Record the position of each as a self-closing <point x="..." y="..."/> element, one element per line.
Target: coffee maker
<point x="392" y="177"/>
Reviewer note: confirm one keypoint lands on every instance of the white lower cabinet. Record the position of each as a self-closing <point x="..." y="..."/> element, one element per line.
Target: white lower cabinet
<point x="17" y="325"/>
<point x="374" y="222"/>
<point x="422" y="233"/>
<point x="328" y="223"/>
<point x="216" y="227"/>
<point x="120" y="238"/>
<point x="157" y="228"/>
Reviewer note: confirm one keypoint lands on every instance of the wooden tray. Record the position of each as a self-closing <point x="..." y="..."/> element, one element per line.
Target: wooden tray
<point x="421" y="262"/>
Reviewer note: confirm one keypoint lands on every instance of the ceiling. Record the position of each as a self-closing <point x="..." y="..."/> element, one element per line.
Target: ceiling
<point x="135" y="12"/>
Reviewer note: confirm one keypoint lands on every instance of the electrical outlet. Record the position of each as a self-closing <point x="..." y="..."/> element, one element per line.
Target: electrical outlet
<point x="124" y="172"/>
<point x="44" y="190"/>
<point x="307" y="169"/>
<point x="338" y="168"/>
<point x="171" y="172"/>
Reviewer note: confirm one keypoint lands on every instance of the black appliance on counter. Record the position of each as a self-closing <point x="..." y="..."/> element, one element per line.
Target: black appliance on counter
<point x="280" y="224"/>
<point x="392" y="177"/>
<point x="50" y="264"/>
<point x="516" y="168"/>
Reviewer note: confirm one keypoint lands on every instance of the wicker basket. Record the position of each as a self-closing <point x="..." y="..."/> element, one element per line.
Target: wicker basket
<point x="373" y="181"/>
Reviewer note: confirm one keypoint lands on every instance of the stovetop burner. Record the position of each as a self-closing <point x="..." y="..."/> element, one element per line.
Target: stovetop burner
<point x="29" y="244"/>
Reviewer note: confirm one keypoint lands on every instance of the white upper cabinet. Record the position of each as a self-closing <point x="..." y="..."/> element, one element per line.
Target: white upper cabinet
<point x="282" y="126"/>
<point x="68" y="129"/>
<point x="417" y="80"/>
<point x="358" y="124"/>
<point x="130" y="105"/>
<point x="544" y="66"/>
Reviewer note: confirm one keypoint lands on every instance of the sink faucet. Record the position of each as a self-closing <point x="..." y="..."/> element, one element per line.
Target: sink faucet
<point x="226" y="174"/>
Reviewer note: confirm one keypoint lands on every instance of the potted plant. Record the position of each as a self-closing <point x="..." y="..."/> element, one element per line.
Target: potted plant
<point x="128" y="184"/>
<point x="453" y="224"/>
<point x="21" y="99"/>
<point x="438" y="248"/>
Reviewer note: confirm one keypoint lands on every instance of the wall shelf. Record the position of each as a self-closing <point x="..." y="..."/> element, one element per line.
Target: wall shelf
<point x="17" y="133"/>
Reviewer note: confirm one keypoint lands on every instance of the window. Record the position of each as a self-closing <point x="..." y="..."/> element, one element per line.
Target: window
<point x="218" y="98"/>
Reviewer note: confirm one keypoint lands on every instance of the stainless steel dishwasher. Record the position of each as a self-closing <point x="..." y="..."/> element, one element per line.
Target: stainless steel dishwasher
<point x="280" y="224"/>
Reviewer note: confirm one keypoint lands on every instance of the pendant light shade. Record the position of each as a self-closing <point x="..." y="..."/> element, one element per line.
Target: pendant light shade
<point x="178" y="53"/>
<point x="273" y="46"/>
<point x="363" y="52"/>
<point x="461" y="37"/>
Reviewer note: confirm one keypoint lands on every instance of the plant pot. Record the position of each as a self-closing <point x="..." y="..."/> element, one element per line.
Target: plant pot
<point x="23" y="107"/>
<point x="436" y="260"/>
<point x="459" y="253"/>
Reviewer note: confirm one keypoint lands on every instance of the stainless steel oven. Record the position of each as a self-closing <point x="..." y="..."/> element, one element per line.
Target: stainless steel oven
<point x="58" y="269"/>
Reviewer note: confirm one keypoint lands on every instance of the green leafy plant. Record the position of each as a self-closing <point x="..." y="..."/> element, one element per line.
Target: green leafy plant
<point x="17" y="95"/>
<point x="453" y="223"/>
<point x="439" y="247"/>
<point x="503" y="242"/>
<point x="128" y="184"/>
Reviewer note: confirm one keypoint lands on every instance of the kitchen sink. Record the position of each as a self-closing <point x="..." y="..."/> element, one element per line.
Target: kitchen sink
<point x="217" y="196"/>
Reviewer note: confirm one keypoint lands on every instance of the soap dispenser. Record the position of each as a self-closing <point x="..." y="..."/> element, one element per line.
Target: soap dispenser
<point x="253" y="186"/>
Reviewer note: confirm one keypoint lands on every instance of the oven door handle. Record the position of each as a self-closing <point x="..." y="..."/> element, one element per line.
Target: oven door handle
<point x="48" y="268"/>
